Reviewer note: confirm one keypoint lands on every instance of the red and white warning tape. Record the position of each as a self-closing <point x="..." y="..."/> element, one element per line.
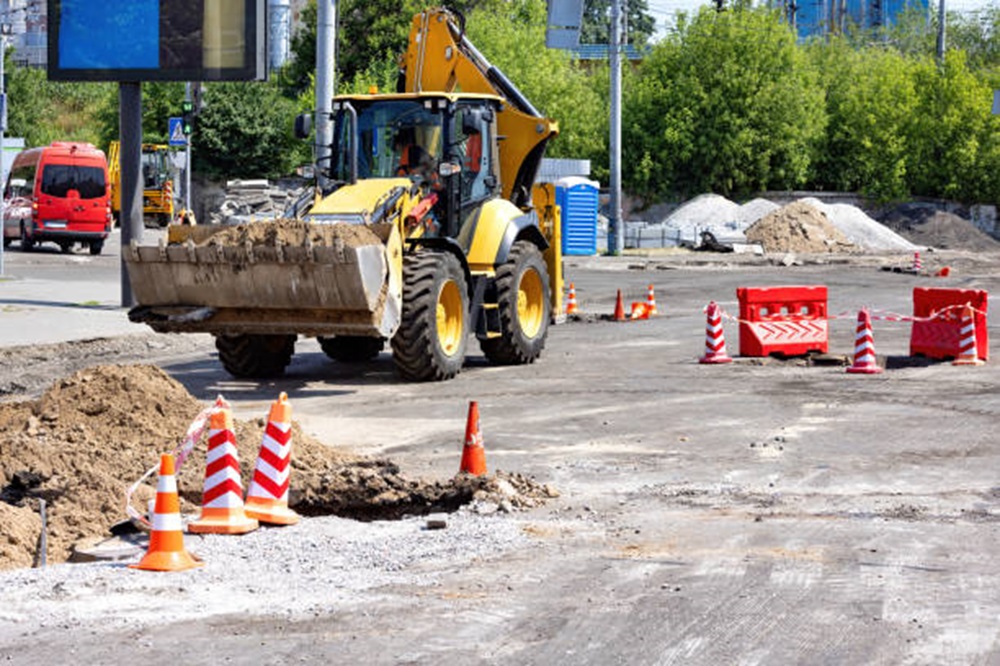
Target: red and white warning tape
<point x="881" y="315"/>
<point x="180" y="453"/>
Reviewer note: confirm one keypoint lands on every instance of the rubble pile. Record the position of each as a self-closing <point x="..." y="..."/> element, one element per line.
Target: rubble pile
<point x="259" y="198"/>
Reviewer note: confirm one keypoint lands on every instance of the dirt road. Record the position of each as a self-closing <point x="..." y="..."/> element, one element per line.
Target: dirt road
<point x="752" y="513"/>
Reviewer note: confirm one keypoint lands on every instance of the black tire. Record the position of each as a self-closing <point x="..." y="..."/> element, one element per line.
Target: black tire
<point x="352" y="348"/>
<point x="27" y="243"/>
<point x="255" y="356"/>
<point x="434" y="328"/>
<point x="96" y="247"/>
<point x="522" y="291"/>
<point x="6" y="241"/>
<point x="66" y="247"/>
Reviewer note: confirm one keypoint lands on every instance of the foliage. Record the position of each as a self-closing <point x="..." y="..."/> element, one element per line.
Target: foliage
<point x="245" y="131"/>
<point x="728" y="104"/>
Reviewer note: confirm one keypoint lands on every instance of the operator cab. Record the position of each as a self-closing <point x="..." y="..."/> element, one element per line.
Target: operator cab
<point x="445" y="145"/>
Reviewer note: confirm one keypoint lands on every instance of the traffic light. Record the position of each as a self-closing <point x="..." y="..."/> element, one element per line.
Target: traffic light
<point x="187" y="107"/>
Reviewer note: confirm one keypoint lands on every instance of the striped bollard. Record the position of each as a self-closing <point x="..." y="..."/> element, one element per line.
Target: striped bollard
<point x="715" y="337"/>
<point x="865" y="362"/>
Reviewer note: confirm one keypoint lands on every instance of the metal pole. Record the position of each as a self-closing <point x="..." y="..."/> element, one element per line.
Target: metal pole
<point x="615" y="225"/>
<point x="187" y="157"/>
<point x="130" y="158"/>
<point x="3" y="129"/>
<point x="326" y="35"/>
<point x="940" y="33"/>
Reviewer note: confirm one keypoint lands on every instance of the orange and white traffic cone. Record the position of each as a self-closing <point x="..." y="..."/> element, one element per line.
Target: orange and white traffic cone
<point x="639" y="311"/>
<point x="715" y="337"/>
<point x="267" y="498"/>
<point x="473" y="453"/>
<point x="166" y="542"/>
<point x="222" y="509"/>
<point x="968" y="352"/>
<point x="864" y="347"/>
<point x="619" y="308"/>
<point x="571" y="306"/>
<point x="651" y="301"/>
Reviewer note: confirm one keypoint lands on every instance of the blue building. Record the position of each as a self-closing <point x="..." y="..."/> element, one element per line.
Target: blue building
<point x="819" y="17"/>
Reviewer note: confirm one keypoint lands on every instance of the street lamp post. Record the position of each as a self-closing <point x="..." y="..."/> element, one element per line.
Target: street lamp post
<point x="5" y="30"/>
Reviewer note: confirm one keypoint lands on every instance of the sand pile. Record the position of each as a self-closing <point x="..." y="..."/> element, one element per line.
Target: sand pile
<point x="925" y="225"/>
<point x="91" y="435"/>
<point x="798" y="227"/>
<point x="860" y="229"/>
<point x="289" y="232"/>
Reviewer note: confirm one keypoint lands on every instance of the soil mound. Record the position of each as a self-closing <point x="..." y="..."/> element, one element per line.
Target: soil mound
<point x="925" y="225"/>
<point x="91" y="435"/>
<point x="797" y="227"/>
<point x="271" y="233"/>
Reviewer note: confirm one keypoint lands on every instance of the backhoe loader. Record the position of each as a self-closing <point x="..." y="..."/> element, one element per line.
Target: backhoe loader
<point x="432" y="230"/>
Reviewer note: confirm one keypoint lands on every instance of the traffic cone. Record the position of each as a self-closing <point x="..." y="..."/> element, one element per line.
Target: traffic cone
<point x="715" y="337"/>
<point x="571" y="300"/>
<point x="639" y="311"/>
<point x="968" y="353"/>
<point x="944" y="271"/>
<point x="651" y="301"/>
<point x="267" y="498"/>
<point x="864" y="347"/>
<point x="917" y="266"/>
<point x="222" y="509"/>
<point x="166" y="542"/>
<point x="473" y="453"/>
<point x="619" y="308"/>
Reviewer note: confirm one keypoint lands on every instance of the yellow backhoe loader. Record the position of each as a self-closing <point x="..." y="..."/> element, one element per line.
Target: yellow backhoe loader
<point x="432" y="230"/>
<point x="157" y="183"/>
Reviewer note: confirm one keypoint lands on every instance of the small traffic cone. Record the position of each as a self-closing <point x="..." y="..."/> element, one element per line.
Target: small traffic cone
<point x="715" y="337"/>
<point x="619" y="308"/>
<point x="864" y="347"/>
<point x="267" y="498"/>
<point x="639" y="311"/>
<point x="166" y="542"/>
<point x="222" y="509"/>
<point x="917" y="266"/>
<point x="473" y="453"/>
<point x="944" y="271"/>
<point x="968" y="353"/>
<point x="651" y="301"/>
<point x="571" y="307"/>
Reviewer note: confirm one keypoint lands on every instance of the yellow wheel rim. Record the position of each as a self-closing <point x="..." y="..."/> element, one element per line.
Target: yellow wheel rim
<point x="530" y="303"/>
<point x="449" y="318"/>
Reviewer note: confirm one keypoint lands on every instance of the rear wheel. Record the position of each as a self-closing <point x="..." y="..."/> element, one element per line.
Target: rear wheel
<point x="255" y="356"/>
<point x="433" y="331"/>
<point x="66" y="247"/>
<point x="351" y="348"/>
<point x="522" y="290"/>
<point x="96" y="247"/>
<point x="6" y="241"/>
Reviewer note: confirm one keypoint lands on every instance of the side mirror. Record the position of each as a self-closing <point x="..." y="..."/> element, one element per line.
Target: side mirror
<point x="303" y="126"/>
<point x="446" y="169"/>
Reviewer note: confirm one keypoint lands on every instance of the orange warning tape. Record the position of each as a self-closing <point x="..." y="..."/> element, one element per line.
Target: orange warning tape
<point x="887" y="316"/>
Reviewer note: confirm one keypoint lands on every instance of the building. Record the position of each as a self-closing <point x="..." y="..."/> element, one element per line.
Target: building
<point x="28" y="30"/>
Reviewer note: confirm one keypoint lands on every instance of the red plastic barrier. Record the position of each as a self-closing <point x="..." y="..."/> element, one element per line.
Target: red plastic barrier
<point x="939" y="338"/>
<point x="782" y="320"/>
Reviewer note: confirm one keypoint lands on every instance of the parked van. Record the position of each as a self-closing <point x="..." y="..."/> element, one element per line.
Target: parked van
<point x="58" y="193"/>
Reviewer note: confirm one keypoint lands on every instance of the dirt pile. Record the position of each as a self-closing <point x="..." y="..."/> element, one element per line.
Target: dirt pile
<point x="91" y="435"/>
<point x="925" y="225"/>
<point x="797" y="227"/>
<point x="288" y="232"/>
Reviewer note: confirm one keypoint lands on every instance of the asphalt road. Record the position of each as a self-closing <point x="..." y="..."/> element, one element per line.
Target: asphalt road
<point x="761" y="512"/>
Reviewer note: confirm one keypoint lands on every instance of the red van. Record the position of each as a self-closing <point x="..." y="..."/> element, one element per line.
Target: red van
<point x="58" y="193"/>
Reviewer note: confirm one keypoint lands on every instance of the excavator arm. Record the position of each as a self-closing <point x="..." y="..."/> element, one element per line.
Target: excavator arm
<point x="441" y="58"/>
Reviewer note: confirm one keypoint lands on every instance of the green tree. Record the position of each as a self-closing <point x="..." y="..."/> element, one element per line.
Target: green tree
<point x="872" y="101"/>
<point x="596" y="28"/>
<point x="245" y="130"/>
<point x="727" y="104"/>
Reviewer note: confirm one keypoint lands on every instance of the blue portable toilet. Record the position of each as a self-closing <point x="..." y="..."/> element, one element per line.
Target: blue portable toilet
<point x="577" y="197"/>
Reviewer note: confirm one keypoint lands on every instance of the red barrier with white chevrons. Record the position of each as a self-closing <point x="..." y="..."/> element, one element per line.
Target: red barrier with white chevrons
<point x="783" y="320"/>
<point x="937" y="322"/>
<point x="267" y="498"/>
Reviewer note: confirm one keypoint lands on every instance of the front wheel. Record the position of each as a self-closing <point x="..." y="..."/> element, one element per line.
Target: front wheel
<point x="96" y="247"/>
<point x="255" y="356"/>
<point x="434" y="327"/>
<point x="27" y="242"/>
<point x="522" y="291"/>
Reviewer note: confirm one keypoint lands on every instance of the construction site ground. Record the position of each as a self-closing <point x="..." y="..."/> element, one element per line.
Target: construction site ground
<point x="767" y="511"/>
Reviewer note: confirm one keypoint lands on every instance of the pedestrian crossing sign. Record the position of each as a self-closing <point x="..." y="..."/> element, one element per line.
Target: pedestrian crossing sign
<point x="176" y="132"/>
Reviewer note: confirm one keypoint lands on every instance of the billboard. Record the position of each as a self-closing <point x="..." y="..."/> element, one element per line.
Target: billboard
<point x="157" y="40"/>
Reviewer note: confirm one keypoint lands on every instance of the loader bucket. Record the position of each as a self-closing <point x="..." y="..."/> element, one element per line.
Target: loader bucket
<point x="269" y="277"/>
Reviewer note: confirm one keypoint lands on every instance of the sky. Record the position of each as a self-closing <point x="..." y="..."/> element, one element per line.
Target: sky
<point x="663" y="11"/>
